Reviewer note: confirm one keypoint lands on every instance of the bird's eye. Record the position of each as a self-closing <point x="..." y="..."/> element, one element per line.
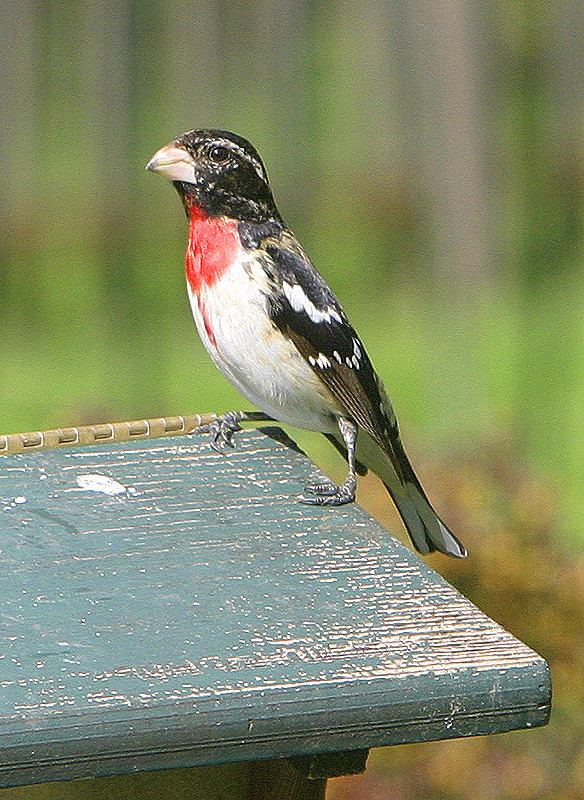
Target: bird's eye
<point x="218" y="154"/>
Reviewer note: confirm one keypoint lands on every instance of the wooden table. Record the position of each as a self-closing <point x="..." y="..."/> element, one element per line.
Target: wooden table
<point x="163" y="606"/>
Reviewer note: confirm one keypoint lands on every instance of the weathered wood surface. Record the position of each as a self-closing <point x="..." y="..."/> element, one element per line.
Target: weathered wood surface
<point x="184" y="609"/>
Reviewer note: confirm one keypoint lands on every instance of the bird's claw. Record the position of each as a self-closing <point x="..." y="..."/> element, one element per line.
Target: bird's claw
<point x="222" y="430"/>
<point x="323" y="489"/>
<point x="328" y="494"/>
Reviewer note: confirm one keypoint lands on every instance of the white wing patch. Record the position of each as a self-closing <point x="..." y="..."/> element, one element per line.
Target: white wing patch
<point x="299" y="301"/>
<point x="322" y="361"/>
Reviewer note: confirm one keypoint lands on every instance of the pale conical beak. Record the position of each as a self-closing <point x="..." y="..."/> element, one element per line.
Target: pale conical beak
<point x="174" y="162"/>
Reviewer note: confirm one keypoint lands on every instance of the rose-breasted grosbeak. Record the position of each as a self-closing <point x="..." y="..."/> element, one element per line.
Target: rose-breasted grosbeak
<point x="277" y="332"/>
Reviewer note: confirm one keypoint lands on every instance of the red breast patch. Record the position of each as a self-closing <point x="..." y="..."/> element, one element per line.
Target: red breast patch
<point x="213" y="246"/>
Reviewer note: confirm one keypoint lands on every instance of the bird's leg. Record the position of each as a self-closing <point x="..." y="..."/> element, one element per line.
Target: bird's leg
<point x="327" y="494"/>
<point x="223" y="428"/>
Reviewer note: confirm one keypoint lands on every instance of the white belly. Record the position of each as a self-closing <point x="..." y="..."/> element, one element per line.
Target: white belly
<point x="263" y="365"/>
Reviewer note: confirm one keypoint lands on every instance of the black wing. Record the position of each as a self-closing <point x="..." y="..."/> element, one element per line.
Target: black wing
<point x="304" y="309"/>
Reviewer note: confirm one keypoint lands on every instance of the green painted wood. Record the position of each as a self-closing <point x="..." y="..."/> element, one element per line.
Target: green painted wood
<point x="165" y="606"/>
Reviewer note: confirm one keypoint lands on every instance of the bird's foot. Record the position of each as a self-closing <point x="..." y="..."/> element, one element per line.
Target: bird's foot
<point x="329" y="494"/>
<point x="222" y="429"/>
<point x="322" y="489"/>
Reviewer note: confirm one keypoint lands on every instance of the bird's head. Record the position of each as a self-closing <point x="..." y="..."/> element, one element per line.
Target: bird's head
<point x="218" y="172"/>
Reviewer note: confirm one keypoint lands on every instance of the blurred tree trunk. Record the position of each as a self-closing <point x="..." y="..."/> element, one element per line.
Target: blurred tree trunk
<point x="105" y="64"/>
<point x="444" y="47"/>
<point x="449" y="128"/>
<point x="20" y="141"/>
<point x="19" y="123"/>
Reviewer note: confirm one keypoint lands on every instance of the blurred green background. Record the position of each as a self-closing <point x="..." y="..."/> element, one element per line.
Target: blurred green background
<point x="429" y="156"/>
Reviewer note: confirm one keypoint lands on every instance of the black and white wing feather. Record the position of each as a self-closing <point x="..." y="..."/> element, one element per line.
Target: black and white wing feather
<point x="304" y="309"/>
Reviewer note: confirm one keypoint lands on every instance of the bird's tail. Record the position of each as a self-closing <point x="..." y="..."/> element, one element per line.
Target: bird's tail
<point x="427" y="531"/>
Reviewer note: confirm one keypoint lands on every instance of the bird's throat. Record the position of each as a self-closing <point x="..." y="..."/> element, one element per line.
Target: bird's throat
<point x="213" y="246"/>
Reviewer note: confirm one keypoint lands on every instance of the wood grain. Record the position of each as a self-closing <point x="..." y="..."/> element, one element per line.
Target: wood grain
<point x="199" y="614"/>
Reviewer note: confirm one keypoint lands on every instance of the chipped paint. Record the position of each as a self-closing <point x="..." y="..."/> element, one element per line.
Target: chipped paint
<point x="100" y="483"/>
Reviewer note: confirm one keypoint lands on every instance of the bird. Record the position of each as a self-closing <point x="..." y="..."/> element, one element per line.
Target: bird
<point x="274" y="328"/>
